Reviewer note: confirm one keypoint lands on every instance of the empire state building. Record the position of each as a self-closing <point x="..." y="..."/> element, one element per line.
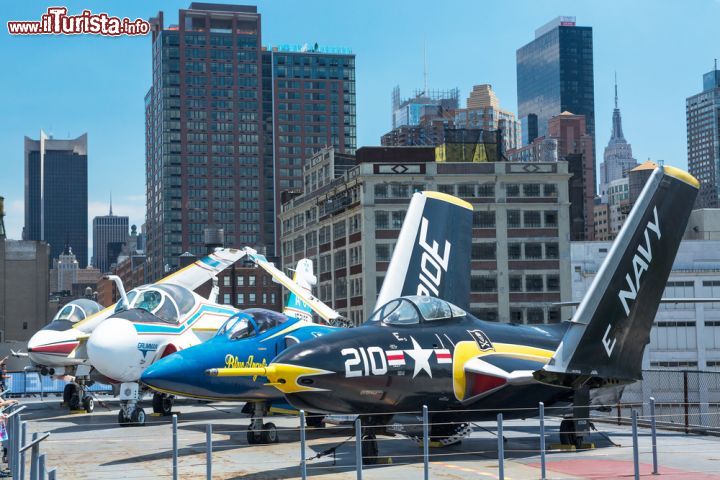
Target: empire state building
<point x="618" y="158"/>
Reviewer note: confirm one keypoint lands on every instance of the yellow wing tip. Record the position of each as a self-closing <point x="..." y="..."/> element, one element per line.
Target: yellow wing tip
<point x="445" y="197"/>
<point x="681" y="175"/>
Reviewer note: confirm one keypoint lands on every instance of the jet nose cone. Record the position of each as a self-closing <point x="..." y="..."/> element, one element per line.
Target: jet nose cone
<point x="48" y="345"/>
<point x="113" y="350"/>
<point x="173" y="373"/>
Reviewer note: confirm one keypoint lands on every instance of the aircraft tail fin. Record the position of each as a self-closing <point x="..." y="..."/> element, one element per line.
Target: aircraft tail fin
<point x="607" y="336"/>
<point x="432" y="254"/>
<point x="305" y="279"/>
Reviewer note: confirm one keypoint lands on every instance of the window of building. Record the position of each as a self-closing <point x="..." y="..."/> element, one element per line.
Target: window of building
<point x="513" y="218"/>
<point x="533" y="251"/>
<point x="226" y="298"/>
<point x="553" y="315"/>
<point x="340" y="259"/>
<point x="553" y="283"/>
<point x="466" y="190"/>
<point x="533" y="283"/>
<point x="240" y="299"/>
<point x="252" y="298"/>
<point x="483" y="251"/>
<point x="484" y="219"/>
<point x="251" y="280"/>
<point x="489" y="314"/>
<point x="515" y="283"/>
<point x="324" y="234"/>
<point x="512" y="190"/>
<point x="531" y="189"/>
<point x="516" y="315"/>
<point x="514" y="252"/>
<point x="339" y="230"/>
<point x="383" y="252"/>
<point x="486" y="190"/>
<point x="382" y="220"/>
<point x="532" y="219"/>
<point x="226" y="281"/>
<point x="551" y="250"/>
<point x="550" y="218"/>
<point x="535" y="315"/>
<point x="550" y="190"/>
<point x="397" y="219"/>
<point x="483" y="283"/>
<point x="240" y="280"/>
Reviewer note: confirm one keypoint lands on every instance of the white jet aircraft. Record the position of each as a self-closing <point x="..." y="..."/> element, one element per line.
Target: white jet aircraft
<point x="152" y="322"/>
<point x="60" y="348"/>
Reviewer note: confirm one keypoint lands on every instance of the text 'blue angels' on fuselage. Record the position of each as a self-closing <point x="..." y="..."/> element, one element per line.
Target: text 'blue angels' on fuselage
<point x="417" y="351"/>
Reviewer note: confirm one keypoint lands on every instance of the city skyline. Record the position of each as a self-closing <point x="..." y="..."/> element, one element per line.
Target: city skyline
<point x="637" y="50"/>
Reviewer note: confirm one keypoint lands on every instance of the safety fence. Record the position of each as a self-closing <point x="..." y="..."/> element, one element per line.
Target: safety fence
<point x="688" y="400"/>
<point x="32" y="383"/>
<point x="171" y="448"/>
<point x="18" y="447"/>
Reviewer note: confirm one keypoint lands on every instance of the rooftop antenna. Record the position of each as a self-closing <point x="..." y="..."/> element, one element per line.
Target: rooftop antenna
<point x="425" y="87"/>
<point x="616" y="101"/>
<point x="111" y="203"/>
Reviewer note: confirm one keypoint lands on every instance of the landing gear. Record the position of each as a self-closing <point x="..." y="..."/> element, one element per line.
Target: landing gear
<point x="162" y="404"/>
<point x="315" y="421"/>
<point x="76" y="398"/>
<point x="259" y="432"/>
<point x="574" y="430"/>
<point x="88" y="404"/>
<point x="130" y="412"/>
<point x="568" y="436"/>
<point x="370" y="449"/>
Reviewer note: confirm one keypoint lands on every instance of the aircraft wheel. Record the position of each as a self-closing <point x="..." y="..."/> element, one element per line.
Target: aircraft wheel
<point x="369" y="449"/>
<point x="138" y="417"/>
<point x="88" y="404"/>
<point x="315" y="421"/>
<point x="567" y="432"/>
<point x="68" y="392"/>
<point x="269" y="433"/>
<point x="122" y="419"/>
<point x="157" y="403"/>
<point x="75" y="402"/>
<point x="166" y="406"/>
<point x="253" y="437"/>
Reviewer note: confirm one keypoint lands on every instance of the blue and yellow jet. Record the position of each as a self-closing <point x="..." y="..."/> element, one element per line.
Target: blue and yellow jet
<point x="250" y="338"/>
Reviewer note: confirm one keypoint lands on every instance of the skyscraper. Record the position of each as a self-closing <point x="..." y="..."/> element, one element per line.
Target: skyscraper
<point x="554" y="75"/>
<point x="618" y="159"/>
<point x="108" y="232"/>
<point x="56" y="198"/>
<point x="703" y="139"/>
<point x="229" y="125"/>
<point x="483" y="111"/>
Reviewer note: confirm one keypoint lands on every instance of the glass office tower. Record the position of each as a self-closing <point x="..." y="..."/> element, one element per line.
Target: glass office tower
<point x="554" y="75"/>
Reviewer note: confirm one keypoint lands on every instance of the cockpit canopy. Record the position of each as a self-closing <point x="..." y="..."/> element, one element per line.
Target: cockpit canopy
<point x="415" y="309"/>
<point x="168" y="302"/>
<point x="72" y="313"/>
<point x="250" y="322"/>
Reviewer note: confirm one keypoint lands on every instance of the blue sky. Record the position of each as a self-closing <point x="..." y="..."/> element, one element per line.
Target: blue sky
<point x="71" y="85"/>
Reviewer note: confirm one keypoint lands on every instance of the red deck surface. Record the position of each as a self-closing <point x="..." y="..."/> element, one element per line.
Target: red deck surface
<point x="607" y="469"/>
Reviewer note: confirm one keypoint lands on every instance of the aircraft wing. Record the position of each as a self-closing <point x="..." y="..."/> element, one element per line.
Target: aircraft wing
<point x="325" y="312"/>
<point x="204" y="269"/>
<point x="575" y="303"/>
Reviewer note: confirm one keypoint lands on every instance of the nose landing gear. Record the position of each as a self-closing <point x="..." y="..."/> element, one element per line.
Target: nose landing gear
<point x="258" y="432"/>
<point x="75" y="396"/>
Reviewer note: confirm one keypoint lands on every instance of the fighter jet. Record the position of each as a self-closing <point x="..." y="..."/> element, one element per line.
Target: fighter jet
<point x="416" y="350"/>
<point x="58" y="349"/>
<point x="155" y="321"/>
<point x="251" y="337"/>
